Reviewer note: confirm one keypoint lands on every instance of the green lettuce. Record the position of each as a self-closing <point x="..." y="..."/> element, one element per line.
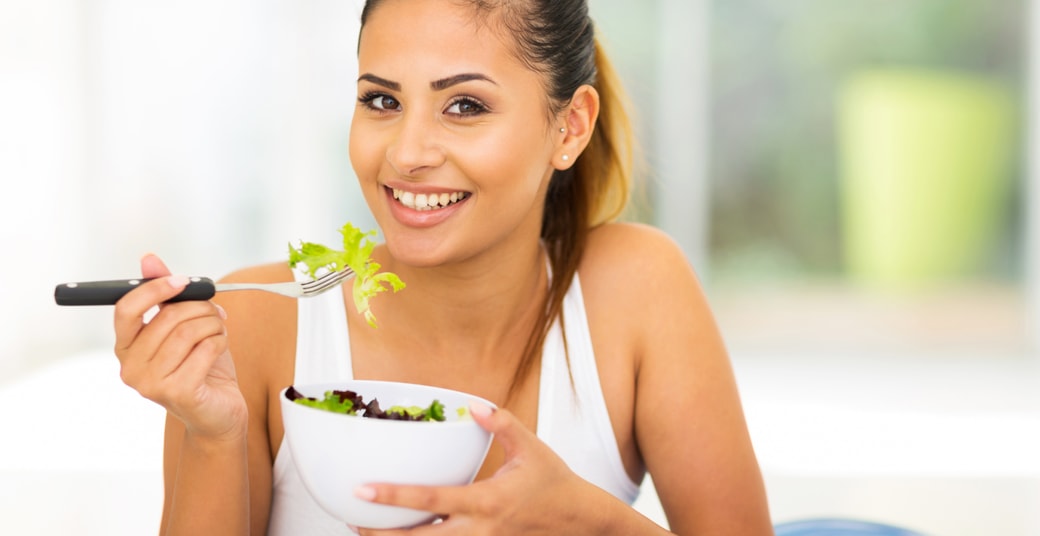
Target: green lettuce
<point x="356" y="253"/>
<point x="331" y="402"/>
<point x="351" y="403"/>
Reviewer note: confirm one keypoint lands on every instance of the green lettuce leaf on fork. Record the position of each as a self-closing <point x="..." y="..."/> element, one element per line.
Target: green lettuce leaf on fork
<point x="356" y="254"/>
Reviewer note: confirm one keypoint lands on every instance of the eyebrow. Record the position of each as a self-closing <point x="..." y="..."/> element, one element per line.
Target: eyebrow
<point x="436" y="85"/>
<point x="380" y="81"/>
<point x="444" y="83"/>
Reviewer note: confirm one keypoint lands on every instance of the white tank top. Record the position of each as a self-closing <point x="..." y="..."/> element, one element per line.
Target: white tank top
<point x="572" y="421"/>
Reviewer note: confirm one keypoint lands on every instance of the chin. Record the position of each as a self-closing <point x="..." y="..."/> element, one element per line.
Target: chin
<point x="418" y="251"/>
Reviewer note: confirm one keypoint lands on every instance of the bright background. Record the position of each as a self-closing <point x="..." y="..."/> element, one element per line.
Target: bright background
<point x="854" y="181"/>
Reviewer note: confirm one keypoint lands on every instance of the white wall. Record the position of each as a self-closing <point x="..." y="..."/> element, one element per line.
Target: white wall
<point x="889" y="439"/>
<point x="211" y="133"/>
<point x="41" y="169"/>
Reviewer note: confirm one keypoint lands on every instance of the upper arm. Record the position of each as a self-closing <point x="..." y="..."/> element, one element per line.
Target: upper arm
<point x="688" y="421"/>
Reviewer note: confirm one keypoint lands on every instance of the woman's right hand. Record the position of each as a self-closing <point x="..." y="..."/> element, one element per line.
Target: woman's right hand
<point x="179" y="359"/>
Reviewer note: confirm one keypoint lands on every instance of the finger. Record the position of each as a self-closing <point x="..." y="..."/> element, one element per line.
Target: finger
<point x="168" y="322"/>
<point x="444" y="500"/>
<point x="165" y="343"/>
<point x="422" y="530"/>
<point x="199" y="363"/>
<point x="153" y="266"/>
<point x="126" y="314"/>
<point x="130" y="309"/>
<point x="440" y="525"/>
<point x="144" y="345"/>
<point x="203" y="332"/>
<point x="184" y="382"/>
<point x="382" y="532"/>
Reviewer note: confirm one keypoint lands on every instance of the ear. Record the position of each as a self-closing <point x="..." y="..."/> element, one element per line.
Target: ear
<point x="578" y="121"/>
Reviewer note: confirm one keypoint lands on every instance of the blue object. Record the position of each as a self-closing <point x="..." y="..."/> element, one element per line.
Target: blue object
<point x="839" y="527"/>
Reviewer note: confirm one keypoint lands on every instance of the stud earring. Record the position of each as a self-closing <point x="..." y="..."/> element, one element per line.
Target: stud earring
<point x="565" y="158"/>
<point x="562" y="130"/>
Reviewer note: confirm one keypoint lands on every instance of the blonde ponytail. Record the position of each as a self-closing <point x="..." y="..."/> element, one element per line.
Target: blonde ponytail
<point x="607" y="164"/>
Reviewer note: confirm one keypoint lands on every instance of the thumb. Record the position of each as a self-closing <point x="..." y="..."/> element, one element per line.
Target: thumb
<point x="509" y="432"/>
<point x="153" y="266"/>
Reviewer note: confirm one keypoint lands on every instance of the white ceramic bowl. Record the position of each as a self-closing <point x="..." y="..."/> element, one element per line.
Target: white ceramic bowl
<point x="336" y="453"/>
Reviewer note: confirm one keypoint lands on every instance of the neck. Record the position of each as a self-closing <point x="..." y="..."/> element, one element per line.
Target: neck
<point x="475" y="311"/>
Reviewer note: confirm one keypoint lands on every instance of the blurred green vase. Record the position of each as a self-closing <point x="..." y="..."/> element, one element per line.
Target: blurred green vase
<point x="926" y="174"/>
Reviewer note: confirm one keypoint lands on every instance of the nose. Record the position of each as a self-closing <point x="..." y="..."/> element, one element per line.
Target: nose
<point x="415" y="146"/>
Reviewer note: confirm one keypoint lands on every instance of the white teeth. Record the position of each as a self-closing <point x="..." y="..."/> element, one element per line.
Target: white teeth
<point x="427" y="201"/>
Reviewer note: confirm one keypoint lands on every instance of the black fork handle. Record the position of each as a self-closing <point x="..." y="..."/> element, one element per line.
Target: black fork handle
<point x="109" y="292"/>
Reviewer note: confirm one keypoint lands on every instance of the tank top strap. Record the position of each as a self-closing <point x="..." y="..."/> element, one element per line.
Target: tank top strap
<point x="322" y="339"/>
<point x="572" y="411"/>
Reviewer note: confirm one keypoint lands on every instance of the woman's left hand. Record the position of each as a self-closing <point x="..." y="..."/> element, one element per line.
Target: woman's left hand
<point x="533" y="492"/>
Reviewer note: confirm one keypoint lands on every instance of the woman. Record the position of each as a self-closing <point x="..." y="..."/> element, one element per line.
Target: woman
<point x="493" y="151"/>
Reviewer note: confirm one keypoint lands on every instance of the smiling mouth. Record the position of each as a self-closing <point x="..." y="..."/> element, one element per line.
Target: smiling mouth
<point x="420" y="202"/>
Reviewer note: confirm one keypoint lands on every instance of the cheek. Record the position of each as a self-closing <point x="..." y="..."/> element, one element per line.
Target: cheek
<point x="512" y="159"/>
<point x="364" y="152"/>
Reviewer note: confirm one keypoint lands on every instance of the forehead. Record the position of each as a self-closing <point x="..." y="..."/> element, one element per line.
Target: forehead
<point x="446" y="34"/>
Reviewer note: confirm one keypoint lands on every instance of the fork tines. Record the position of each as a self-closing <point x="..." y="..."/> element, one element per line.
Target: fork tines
<point x="327" y="281"/>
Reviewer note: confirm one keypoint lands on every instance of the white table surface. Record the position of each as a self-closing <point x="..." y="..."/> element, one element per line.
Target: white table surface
<point x="947" y="455"/>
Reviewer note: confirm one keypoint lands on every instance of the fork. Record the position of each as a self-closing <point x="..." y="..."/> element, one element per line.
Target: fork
<point x="199" y="288"/>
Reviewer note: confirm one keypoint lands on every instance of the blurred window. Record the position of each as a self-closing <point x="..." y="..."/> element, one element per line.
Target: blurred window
<point x="859" y="170"/>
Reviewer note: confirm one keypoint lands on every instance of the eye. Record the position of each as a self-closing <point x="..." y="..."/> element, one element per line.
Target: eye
<point x="466" y="106"/>
<point x="379" y="102"/>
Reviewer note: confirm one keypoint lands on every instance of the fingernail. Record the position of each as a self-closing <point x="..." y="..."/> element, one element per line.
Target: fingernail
<point x="178" y="281"/>
<point x="479" y="409"/>
<point x="221" y="311"/>
<point x="365" y="493"/>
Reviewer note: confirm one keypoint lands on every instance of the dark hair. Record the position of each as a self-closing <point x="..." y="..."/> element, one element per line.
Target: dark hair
<point x="558" y="39"/>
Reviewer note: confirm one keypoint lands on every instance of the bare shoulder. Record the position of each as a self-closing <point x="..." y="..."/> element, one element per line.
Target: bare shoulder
<point x="262" y="273"/>
<point x="261" y="326"/>
<point x="641" y="294"/>
<point x="632" y="240"/>
<point x="637" y="257"/>
<point x="252" y="310"/>
<point x="640" y="290"/>
<point x="255" y="313"/>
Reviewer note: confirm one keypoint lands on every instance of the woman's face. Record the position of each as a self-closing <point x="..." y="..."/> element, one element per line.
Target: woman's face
<point x="450" y="139"/>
